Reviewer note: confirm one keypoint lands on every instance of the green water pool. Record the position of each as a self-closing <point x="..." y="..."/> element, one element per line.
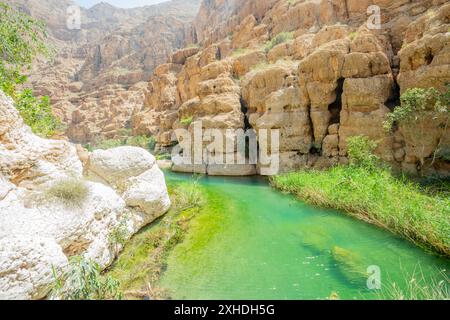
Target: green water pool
<point x="252" y="242"/>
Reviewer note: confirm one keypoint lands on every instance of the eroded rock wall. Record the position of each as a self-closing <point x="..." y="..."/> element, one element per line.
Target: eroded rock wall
<point x="98" y="75"/>
<point x="332" y="76"/>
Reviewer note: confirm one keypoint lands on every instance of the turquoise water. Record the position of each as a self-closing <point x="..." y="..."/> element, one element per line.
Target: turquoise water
<point x="253" y="242"/>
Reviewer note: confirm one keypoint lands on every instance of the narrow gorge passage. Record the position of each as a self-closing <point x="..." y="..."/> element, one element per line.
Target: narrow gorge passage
<point x="252" y="242"/>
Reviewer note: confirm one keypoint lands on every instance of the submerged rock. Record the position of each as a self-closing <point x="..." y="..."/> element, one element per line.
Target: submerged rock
<point x="231" y="170"/>
<point x="350" y="264"/>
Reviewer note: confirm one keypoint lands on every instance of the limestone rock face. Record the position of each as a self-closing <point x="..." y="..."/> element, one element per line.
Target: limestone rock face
<point x="78" y="230"/>
<point x="148" y="192"/>
<point x="97" y="79"/>
<point x="364" y="112"/>
<point x="133" y="172"/>
<point x="39" y="231"/>
<point x="330" y="78"/>
<point x="424" y="63"/>
<point x="231" y="170"/>
<point x="26" y="266"/>
<point x="26" y="158"/>
<point x="160" y="105"/>
<point x="115" y="165"/>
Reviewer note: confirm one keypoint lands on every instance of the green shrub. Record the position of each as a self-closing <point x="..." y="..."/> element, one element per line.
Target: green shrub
<point x="71" y="192"/>
<point x="240" y="51"/>
<point x="148" y="143"/>
<point x="105" y="144"/>
<point x="37" y="113"/>
<point x="278" y="39"/>
<point x="21" y="39"/>
<point x="292" y="2"/>
<point x="163" y="156"/>
<point x="419" y="109"/>
<point x="120" y="234"/>
<point x="83" y="281"/>
<point x="188" y="196"/>
<point x="361" y="152"/>
<point x="416" y="101"/>
<point x="186" y="121"/>
<point x="353" y="35"/>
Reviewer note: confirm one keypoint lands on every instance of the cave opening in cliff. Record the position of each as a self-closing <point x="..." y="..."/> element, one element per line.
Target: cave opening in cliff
<point x="429" y="57"/>
<point x="244" y="110"/>
<point x="336" y="107"/>
<point x="394" y="99"/>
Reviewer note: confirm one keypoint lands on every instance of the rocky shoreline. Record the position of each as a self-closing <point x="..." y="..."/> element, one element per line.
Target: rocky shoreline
<point x="38" y="233"/>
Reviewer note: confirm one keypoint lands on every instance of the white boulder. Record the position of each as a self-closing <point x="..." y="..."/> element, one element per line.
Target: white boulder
<point x="78" y="230"/>
<point x="26" y="266"/>
<point x="148" y="192"/>
<point x="115" y="165"/>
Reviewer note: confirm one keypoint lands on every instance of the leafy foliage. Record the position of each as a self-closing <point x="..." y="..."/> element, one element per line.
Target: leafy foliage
<point x="83" y="281"/>
<point x="120" y="234"/>
<point x="21" y="39"/>
<point x="186" y="121"/>
<point x="419" y="109"/>
<point x="416" y="101"/>
<point x="37" y="113"/>
<point x="148" y="143"/>
<point x="361" y="152"/>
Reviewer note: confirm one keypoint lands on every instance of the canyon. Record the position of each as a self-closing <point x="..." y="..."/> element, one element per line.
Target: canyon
<point x="315" y="70"/>
<point x="312" y="69"/>
<point x="96" y="75"/>
<point x="318" y="71"/>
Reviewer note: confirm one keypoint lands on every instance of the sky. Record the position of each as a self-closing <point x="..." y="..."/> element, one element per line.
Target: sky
<point x="119" y="3"/>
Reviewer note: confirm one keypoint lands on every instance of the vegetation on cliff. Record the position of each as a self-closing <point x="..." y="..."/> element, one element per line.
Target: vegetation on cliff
<point x="146" y="142"/>
<point x="37" y="113"/>
<point x="70" y="192"/>
<point x="370" y="192"/>
<point x="22" y="39"/>
<point x="418" y="108"/>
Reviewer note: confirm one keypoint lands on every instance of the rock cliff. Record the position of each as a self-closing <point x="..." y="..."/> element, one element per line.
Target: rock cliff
<point x="97" y="77"/>
<point x="316" y="70"/>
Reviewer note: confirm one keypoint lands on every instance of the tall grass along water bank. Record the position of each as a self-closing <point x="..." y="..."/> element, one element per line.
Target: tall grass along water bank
<point x="376" y="196"/>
